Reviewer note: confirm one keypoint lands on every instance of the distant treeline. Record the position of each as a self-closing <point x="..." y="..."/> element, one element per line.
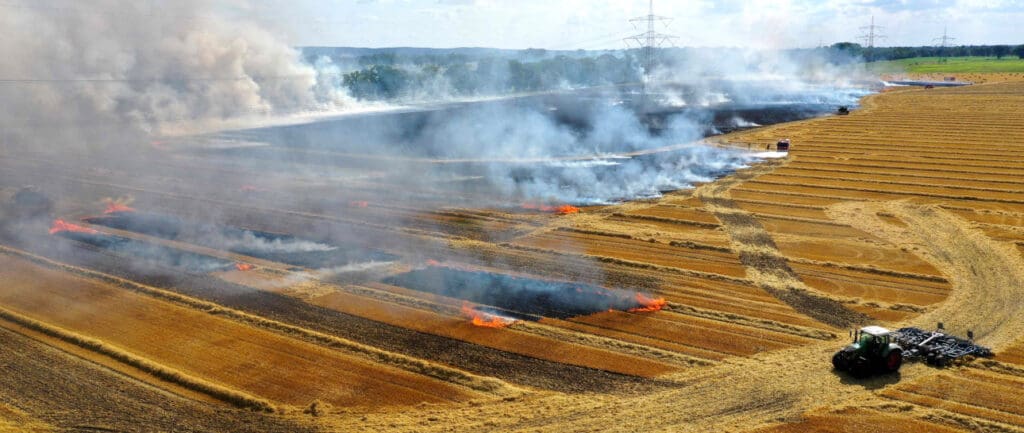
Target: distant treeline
<point x="389" y="76"/>
<point x="896" y="53"/>
<point x="411" y="73"/>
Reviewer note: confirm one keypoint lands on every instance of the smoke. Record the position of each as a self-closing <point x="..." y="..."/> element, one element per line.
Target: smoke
<point x="113" y="72"/>
<point x="99" y="82"/>
<point x="145" y="253"/>
<point x="519" y="294"/>
<point x="246" y="240"/>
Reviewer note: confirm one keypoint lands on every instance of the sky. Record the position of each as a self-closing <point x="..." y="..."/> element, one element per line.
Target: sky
<point x="603" y="24"/>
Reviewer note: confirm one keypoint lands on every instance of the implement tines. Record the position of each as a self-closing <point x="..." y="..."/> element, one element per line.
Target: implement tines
<point x="918" y="343"/>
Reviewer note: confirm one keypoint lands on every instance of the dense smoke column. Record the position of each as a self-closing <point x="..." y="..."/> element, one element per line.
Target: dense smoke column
<point x="111" y="72"/>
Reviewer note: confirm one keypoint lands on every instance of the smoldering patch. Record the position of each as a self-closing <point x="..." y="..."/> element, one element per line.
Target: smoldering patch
<point x="142" y="252"/>
<point x="523" y="298"/>
<point x="274" y="247"/>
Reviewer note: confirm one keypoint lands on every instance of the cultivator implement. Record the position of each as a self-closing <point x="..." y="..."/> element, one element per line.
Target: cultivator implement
<point x="878" y="350"/>
<point x="936" y="347"/>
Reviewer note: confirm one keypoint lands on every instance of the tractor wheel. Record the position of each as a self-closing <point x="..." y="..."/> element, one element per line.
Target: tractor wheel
<point x="840" y="361"/>
<point x="940" y="361"/>
<point x="860" y="367"/>
<point x="893" y="361"/>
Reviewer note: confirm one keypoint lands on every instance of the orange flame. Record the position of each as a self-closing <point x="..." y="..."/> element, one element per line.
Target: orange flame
<point x="114" y="207"/>
<point x="648" y="304"/>
<point x="119" y="204"/>
<point x="564" y="209"/>
<point x="60" y="225"/>
<point x="485" y="320"/>
<point x="244" y="266"/>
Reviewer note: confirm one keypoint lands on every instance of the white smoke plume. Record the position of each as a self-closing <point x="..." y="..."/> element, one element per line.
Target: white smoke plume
<point x="106" y="71"/>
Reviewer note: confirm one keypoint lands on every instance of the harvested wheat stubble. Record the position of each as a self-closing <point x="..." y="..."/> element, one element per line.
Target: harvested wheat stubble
<point x="13" y="420"/>
<point x="741" y="392"/>
<point x="639" y="251"/>
<point x="856" y="420"/>
<point x="507" y="340"/>
<point x="254" y="361"/>
<point x="470" y="357"/>
<point x="764" y="263"/>
<point x="985" y="275"/>
<point x="855" y="253"/>
<point x="168" y="374"/>
<point x="714" y="336"/>
<point x="879" y="286"/>
<point x="76" y="395"/>
<point x="682" y="214"/>
<point x="1014" y="354"/>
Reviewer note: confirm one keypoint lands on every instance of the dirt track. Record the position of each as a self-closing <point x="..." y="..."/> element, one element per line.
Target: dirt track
<point x="987" y="276"/>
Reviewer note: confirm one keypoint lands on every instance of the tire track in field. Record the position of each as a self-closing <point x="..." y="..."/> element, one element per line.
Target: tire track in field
<point x="765" y="264"/>
<point x="987" y="276"/>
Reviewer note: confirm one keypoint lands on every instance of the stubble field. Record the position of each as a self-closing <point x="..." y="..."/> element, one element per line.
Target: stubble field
<point x="906" y="212"/>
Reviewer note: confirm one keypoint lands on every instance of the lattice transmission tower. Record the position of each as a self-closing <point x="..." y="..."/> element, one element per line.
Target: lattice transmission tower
<point x="649" y="41"/>
<point x="872" y="34"/>
<point x="943" y="42"/>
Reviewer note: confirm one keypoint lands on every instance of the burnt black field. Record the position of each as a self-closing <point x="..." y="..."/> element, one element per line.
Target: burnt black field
<point x="518" y="297"/>
<point x="414" y="131"/>
<point x="577" y="147"/>
<point x="274" y="247"/>
<point x="149" y="253"/>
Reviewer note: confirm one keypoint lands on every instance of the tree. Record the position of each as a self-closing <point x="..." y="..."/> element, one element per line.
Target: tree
<point x="1019" y="51"/>
<point x="377" y="82"/>
<point x="1000" y="51"/>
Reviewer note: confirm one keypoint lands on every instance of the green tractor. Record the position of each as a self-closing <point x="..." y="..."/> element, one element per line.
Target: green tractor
<point x="874" y="350"/>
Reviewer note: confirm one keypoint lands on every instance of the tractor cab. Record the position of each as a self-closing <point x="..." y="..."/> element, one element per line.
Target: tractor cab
<point x="873" y="338"/>
<point x="873" y="349"/>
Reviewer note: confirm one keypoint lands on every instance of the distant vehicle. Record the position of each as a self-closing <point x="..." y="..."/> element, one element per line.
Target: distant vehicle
<point x="782" y="145"/>
<point x="929" y="86"/>
<point x="843" y="110"/>
<point x="878" y="350"/>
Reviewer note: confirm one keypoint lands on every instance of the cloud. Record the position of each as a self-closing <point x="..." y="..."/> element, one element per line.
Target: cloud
<point x="572" y="24"/>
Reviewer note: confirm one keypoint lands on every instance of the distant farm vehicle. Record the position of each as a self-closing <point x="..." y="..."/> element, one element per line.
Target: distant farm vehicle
<point x="877" y="350"/>
<point x="929" y="86"/>
<point x="843" y="110"/>
<point x="782" y="145"/>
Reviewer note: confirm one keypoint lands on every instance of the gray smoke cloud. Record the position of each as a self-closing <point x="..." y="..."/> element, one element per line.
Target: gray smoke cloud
<point x="109" y="70"/>
<point x="114" y="75"/>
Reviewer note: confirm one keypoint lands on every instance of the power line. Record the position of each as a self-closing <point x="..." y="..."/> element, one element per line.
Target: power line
<point x="943" y="41"/>
<point x="871" y="36"/>
<point x="650" y="40"/>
